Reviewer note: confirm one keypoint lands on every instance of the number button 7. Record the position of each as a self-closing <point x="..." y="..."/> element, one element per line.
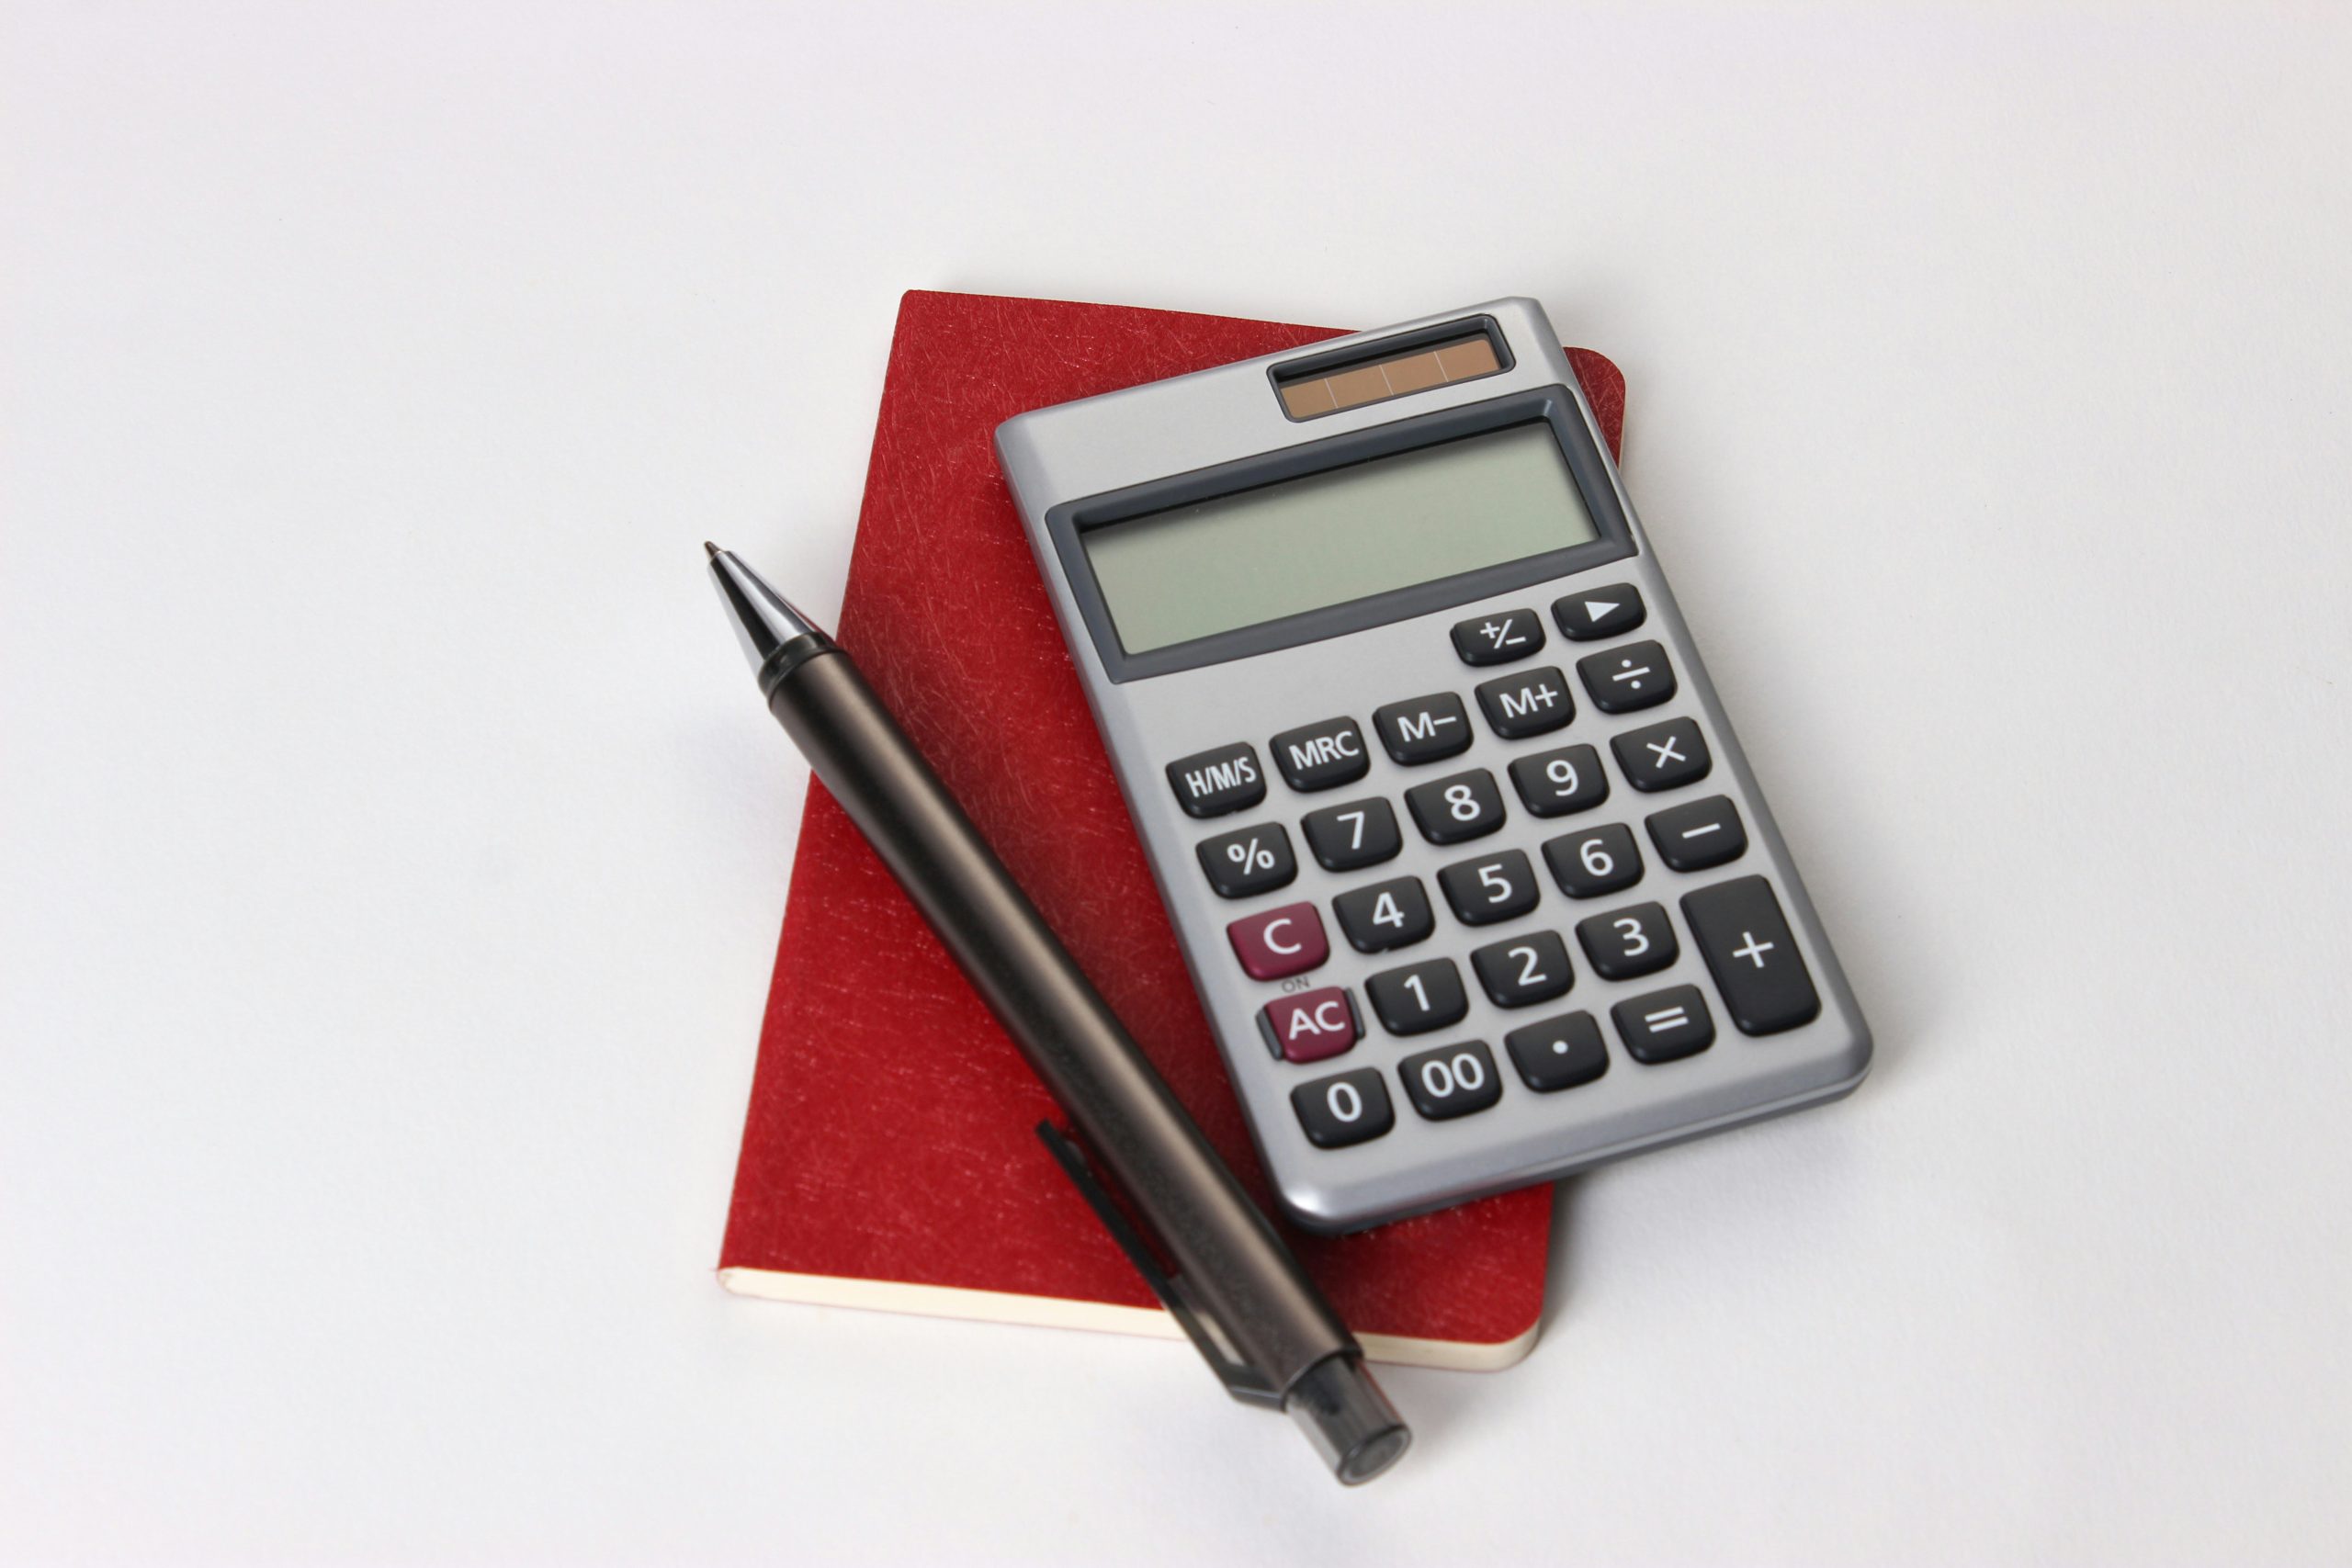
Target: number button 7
<point x="1352" y="836"/>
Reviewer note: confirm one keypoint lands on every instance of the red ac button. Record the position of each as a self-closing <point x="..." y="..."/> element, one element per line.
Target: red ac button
<point x="1312" y="1024"/>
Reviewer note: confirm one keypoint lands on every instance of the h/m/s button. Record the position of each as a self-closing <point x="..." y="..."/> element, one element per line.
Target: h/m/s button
<point x="1222" y="779"/>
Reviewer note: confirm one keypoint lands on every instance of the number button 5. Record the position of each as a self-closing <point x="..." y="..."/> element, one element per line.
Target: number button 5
<point x="1464" y="806"/>
<point x="1595" y="861"/>
<point x="1490" y="889"/>
<point x="1453" y="1080"/>
<point x="1349" y="1108"/>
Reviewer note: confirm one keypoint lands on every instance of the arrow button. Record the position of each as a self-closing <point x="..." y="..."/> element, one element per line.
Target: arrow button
<point x="1600" y="613"/>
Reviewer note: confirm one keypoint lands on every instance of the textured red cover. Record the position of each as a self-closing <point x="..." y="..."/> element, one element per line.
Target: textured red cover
<point x="889" y="1131"/>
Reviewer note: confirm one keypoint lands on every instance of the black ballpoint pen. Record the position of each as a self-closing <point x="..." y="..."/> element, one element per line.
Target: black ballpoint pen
<point x="1227" y="1278"/>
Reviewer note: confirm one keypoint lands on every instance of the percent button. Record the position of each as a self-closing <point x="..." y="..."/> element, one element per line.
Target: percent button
<point x="1249" y="860"/>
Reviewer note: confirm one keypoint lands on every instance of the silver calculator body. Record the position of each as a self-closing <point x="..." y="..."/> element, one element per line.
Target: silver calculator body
<point x="1353" y="620"/>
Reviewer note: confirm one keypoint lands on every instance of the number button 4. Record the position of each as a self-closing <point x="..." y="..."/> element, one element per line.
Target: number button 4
<point x="1464" y="805"/>
<point x="1418" y="997"/>
<point x="1630" y="941"/>
<point x="1347" y="1108"/>
<point x="1395" y="913"/>
<point x="1524" y="970"/>
<point x="1351" y="837"/>
<point x="1453" y="1080"/>
<point x="1554" y="784"/>
<point x="1490" y="889"/>
<point x="1595" y="861"/>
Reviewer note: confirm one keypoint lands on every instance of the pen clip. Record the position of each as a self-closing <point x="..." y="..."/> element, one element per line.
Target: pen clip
<point x="1242" y="1381"/>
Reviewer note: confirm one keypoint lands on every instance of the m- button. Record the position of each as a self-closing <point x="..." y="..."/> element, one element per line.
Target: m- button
<point x="1288" y="941"/>
<point x="1319" y="756"/>
<point x="1424" y="729"/>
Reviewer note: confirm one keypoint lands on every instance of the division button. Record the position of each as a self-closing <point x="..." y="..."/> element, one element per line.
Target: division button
<point x="1524" y="970"/>
<point x="1665" y="1025"/>
<point x="1594" y="862"/>
<point x="1279" y="942"/>
<point x="1553" y="783"/>
<point x="1418" y="997"/>
<point x="1628" y="942"/>
<point x="1533" y="702"/>
<point x="1663" y="756"/>
<point x="1252" y="861"/>
<point x="1557" y="1053"/>
<point x="1624" y="679"/>
<point x="1490" y="889"/>
<point x="1352" y="835"/>
<point x="1346" y="1108"/>
<point x="1500" y="638"/>
<point x="1600" y="612"/>
<point x="1699" y="834"/>
<point x="1424" y="729"/>
<point x="1310" y="1025"/>
<point x="1395" y="913"/>
<point x="1750" y="952"/>
<point x="1462" y="805"/>
<point x="1210" y="783"/>
<point x="1453" y="1080"/>
<point x="1321" y="756"/>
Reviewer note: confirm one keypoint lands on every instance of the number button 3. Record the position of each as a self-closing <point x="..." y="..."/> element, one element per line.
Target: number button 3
<point x="1628" y="942"/>
<point x="1347" y="1108"/>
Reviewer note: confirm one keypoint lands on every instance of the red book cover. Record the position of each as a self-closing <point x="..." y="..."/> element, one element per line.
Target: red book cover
<point x="888" y="1160"/>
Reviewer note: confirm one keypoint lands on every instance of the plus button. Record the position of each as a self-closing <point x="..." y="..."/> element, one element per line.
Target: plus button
<point x="1755" y="951"/>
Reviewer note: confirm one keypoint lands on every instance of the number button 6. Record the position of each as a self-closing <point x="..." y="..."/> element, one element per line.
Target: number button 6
<point x="1595" y="861"/>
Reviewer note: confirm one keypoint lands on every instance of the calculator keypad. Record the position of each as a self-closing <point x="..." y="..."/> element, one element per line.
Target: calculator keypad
<point x="1736" y="927"/>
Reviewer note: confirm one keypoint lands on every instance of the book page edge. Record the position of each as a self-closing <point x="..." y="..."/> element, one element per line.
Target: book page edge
<point x="1101" y="1317"/>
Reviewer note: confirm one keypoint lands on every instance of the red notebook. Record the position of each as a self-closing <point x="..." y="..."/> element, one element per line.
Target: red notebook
<point x="888" y="1160"/>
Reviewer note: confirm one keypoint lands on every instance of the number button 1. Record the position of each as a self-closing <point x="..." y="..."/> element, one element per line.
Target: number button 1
<point x="1554" y="784"/>
<point x="1255" y="860"/>
<point x="1347" y="1108"/>
<point x="1595" y="861"/>
<point x="1629" y="942"/>
<point x="1464" y="805"/>
<point x="1418" y="997"/>
<point x="1453" y="1080"/>
<point x="1524" y="970"/>
<point x="1490" y="889"/>
<point x="1351" y="837"/>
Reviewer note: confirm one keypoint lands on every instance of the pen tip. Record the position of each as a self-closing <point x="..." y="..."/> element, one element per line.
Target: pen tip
<point x="711" y="549"/>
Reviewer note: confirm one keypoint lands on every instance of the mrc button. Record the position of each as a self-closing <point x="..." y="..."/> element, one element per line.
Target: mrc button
<point x="1318" y="756"/>
<point x="1210" y="783"/>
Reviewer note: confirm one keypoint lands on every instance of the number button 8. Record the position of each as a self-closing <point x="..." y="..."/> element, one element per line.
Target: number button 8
<point x="1464" y="806"/>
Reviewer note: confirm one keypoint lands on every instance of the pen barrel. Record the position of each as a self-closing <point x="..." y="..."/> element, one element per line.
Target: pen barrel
<point x="1227" y="1253"/>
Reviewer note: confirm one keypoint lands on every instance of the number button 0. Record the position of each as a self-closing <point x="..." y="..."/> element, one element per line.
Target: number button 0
<point x="1255" y="860"/>
<point x="1490" y="889"/>
<point x="1418" y="997"/>
<point x="1554" y="784"/>
<point x="1595" y="861"/>
<point x="1351" y="837"/>
<point x="1524" y="970"/>
<point x="1629" y="942"/>
<point x="1453" y="1080"/>
<point x="1347" y="1108"/>
<point x="1462" y="805"/>
<point x="1395" y="913"/>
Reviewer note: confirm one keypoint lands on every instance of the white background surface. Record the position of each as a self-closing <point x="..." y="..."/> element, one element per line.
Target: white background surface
<point x="392" y="845"/>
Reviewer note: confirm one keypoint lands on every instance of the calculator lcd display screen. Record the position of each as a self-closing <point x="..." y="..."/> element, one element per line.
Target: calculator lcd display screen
<point x="1306" y="544"/>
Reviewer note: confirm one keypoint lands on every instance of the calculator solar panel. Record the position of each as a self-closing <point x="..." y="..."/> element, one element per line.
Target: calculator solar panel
<point x="1468" y="866"/>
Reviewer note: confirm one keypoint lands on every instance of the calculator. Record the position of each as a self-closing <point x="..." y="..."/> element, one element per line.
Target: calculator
<point x="1474" y="881"/>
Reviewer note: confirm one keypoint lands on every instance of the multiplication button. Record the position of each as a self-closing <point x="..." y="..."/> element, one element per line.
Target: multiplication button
<point x="1663" y="756"/>
<point x="1212" y="783"/>
<point x="1251" y="861"/>
<point x="1424" y="729"/>
<point x="1624" y="679"/>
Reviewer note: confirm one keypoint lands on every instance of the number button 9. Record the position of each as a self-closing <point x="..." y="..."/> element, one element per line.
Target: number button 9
<point x="1554" y="784"/>
<point x="1347" y="1108"/>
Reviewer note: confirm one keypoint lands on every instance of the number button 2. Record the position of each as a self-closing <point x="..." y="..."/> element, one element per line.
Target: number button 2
<point x="1462" y="805"/>
<point x="1453" y="1080"/>
<point x="1525" y="970"/>
<point x="1347" y="1108"/>
<point x="1352" y="836"/>
<point x="1595" y="861"/>
<point x="1629" y="942"/>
